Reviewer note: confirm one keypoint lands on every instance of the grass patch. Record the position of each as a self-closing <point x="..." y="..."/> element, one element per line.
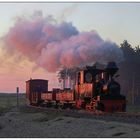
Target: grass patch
<point x="59" y="119"/>
<point x="3" y="110"/>
<point x="135" y="130"/>
<point x="41" y="119"/>
<point x="118" y="134"/>
<point x="8" y="101"/>
<point x="111" y="127"/>
<point x="27" y="109"/>
<point x="69" y="121"/>
<point x="1" y="127"/>
<point x="46" y="117"/>
<point x="133" y="109"/>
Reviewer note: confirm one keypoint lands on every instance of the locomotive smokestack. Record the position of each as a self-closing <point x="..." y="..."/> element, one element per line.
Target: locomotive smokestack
<point x="111" y="68"/>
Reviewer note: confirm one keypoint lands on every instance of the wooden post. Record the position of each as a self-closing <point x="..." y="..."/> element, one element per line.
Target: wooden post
<point x="17" y="97"/>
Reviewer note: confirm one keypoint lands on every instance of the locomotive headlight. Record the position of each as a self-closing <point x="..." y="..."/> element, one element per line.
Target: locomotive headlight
<point x="88" y="77"/>
<point x="105" y="88"/>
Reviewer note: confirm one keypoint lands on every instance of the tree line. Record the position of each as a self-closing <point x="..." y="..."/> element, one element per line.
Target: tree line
<point x="130" y="72"/>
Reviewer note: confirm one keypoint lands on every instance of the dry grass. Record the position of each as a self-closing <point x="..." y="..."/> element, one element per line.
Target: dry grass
<point x="9" y="101"/>
<point x="133" y="109"/>
<point x="34" y="122"/>
<point x="118" y="134"/>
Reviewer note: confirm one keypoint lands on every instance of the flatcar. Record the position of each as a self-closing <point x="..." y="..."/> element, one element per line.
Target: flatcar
<point x="95" y="89"/>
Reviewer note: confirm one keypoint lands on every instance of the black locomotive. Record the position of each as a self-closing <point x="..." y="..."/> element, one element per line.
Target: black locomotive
<point x="95" y="89"/>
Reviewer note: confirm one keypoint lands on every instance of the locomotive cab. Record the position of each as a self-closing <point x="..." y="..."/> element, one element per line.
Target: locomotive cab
<point x="87" y="83"/>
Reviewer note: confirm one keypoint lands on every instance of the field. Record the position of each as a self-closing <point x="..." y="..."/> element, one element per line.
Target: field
<point x="29" y="122"/>
<point x="9" y="101"/>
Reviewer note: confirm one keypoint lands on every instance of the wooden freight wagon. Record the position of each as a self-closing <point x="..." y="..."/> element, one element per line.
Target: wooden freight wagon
<point x="65" y="98"/>
<point x="34" y="88"/>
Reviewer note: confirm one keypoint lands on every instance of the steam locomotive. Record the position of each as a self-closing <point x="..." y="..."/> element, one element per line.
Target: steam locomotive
<point x="95" y="88"/>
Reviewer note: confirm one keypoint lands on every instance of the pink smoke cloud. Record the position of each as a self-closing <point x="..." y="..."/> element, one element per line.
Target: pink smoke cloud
<point x="53" y="45"/>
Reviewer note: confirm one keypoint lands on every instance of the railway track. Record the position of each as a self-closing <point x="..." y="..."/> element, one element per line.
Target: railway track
<point x="132" y="118"/>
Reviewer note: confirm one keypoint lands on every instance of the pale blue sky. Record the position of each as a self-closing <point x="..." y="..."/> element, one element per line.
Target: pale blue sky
<point x="114" y="21"/>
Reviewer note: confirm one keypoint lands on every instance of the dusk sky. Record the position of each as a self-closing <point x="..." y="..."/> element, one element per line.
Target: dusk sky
<point x="111" y="21"/>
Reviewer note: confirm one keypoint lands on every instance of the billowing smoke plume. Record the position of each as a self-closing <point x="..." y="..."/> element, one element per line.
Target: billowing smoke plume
<point x="55" y="45"/>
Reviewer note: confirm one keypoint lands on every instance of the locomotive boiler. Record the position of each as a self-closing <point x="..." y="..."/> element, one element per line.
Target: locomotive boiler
<point x="95" y="89"/>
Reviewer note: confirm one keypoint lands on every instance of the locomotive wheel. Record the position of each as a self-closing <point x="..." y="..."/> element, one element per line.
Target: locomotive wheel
<point x="67" y="105"/>
<point x="100" y="107"/>
<point x="71" y="106"/>
<point x="49" y="104"/>
<point x="56" y="106"/>
<point x="124" y="107"/>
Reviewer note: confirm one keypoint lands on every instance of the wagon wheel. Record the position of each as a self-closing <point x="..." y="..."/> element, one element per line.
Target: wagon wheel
<point x="124" y="107"/>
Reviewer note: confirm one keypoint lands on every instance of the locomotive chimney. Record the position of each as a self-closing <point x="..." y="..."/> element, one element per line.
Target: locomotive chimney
<point x="111" y="69"/>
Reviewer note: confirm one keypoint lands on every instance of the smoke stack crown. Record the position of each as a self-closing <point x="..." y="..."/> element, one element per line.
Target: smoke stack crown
<point x="111" y="68"/>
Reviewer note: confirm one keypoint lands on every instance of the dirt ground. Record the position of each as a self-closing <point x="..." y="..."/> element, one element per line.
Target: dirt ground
<point x="39" y="125"/>
<point x="30" y="123"/>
